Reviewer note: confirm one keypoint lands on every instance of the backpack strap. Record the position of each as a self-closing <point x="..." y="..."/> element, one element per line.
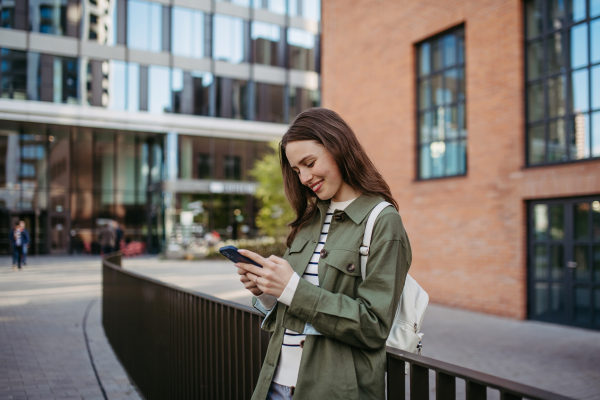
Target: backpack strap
<point x="366" y="242"/>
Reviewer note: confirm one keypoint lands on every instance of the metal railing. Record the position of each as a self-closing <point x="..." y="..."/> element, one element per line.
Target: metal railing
<point x="178" y="344"/>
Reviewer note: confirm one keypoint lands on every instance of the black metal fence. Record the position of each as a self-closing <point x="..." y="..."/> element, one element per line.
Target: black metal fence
<point x="178" y="344"/>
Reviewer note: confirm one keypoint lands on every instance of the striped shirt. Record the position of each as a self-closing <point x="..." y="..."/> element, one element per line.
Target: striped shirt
<point x="291" y="352"/>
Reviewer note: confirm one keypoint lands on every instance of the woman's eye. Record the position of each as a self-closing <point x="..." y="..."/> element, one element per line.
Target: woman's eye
<point x="311" y="164"/>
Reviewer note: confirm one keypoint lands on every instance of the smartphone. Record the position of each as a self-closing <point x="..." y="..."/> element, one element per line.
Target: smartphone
<point x="232" y="253"/>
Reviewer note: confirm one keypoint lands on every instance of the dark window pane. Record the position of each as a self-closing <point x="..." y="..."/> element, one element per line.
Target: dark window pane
<point x="540" y="222"/>
<point x="424" y="94"/>
<point x="580" y="136"/>
<point x="462" y="156"/>
<point x="462" y="121"/>
<point x="579" y="46"/>
<point x="535" y="60"/>
<point x="460" y="42"/>
<point x="302" y="99"/>
<point x="424" y="59"/>
<point x="556" y="53"/>
<point x="557" y="14"/>
<point x="557" y="303"/>
<point x="557" y="222"/>
<point x="425" y="124"/>
<point x="451" y="117"/>
<point x="596" y="255"/>
<point x="537" y="144"/>
<point x="301" y="49"/>
<point x="540" y="254"/>
<point x="461" y="83"/>
<point x="436" y="50"/>
<point x="60" y="17"/>
<point x="14" y="74"/>
<point x="581" y="214"/>
<point x="268" y="101"/>
<point x="104" y="164"/>
<point x="582" y="305"/>
<point x="232" y="98"/>
<point x="59" y="158"/>
<point x="597" y="307"/>
<point x="437" y="89"/>
<point x="451" y="81"/>
<point x="191" y="92"/>
<point x="595" y="40"/>
<point x="232" y="168"/>
<point x="557" y="261"/>
<point x="596" y="223"/>
<point x="557" y="141"/>
<point x="556" y="97"/>
<point x="535" y="102"/>
<point x="449" y="43"/>
<point x="578" y="10"/>
<point x="580" y="255"/>
<point x="533" y="11"/>
<point x="541" y="298"/>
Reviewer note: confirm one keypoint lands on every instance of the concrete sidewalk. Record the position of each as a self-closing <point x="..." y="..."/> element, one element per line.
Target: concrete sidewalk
<point x="43" y="353"/>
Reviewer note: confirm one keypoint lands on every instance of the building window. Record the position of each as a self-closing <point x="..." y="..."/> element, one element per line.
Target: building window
<point x="144" y="26"/>
<point x="268" y="102"/>
<point x="301" y="50"/>
<point x="243" y="3"/>
<point x="266" y="44"/>
<point x="52" y="78"/>
<point x="441" y="99"/>
<point x="232" y="98"/>
<point x="191" y="92"/>
<point x="159" y="89"/>
<point x="228" y="39"/>
<point x="187" y="32"/>
<point x="309" y="9"/>
<point x="13" y="14"/>
<point x="563" y="80"/>
<point x="275" y="6"/>
<point x="13" y="74"/>
<point x="232" y="168"/>
<point x="59" y="17"/>
<point x="301" y="99"/>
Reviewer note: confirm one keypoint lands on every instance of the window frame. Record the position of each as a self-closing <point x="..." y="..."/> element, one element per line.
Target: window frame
<point x="417" y="99"/>
<point x="565" y="71"/>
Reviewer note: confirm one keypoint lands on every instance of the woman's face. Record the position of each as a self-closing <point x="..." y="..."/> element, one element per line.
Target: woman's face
<point x="317" y="170"/>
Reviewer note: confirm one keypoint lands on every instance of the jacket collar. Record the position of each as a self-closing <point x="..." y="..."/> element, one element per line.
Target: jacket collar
<point x="358" y="209"/>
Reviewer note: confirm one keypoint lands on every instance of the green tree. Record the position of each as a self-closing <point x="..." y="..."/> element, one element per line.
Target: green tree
<point x="275" y="211"/>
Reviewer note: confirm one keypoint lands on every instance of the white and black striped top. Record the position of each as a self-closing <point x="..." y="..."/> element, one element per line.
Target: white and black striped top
<point x="291" y="352"/>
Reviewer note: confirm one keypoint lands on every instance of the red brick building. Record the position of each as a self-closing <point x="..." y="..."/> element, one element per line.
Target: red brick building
<point x="494" y="158"/>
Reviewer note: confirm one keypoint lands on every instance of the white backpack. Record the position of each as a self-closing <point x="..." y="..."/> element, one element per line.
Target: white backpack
<point x="405" y="333"/>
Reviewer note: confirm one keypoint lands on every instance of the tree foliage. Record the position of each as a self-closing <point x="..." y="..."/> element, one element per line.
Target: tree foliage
<point x="275" y="211"/>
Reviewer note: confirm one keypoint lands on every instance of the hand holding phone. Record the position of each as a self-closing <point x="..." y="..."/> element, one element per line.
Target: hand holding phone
<point x="232" y="253"/>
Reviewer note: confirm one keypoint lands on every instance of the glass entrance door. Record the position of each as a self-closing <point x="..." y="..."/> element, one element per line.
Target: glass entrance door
<point x="564" y="261"/>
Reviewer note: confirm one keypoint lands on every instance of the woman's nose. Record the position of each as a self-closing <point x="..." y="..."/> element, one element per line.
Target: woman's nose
<point x="305" y="177"/>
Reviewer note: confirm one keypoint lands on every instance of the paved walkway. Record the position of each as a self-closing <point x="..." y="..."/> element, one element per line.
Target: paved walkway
<point x="43" y="352"/>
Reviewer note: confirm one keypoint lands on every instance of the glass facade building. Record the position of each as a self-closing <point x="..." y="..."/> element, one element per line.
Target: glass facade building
<point x="131" y="110"/>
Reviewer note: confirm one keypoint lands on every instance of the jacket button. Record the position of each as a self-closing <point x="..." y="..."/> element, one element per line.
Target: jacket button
<point x="350" y="267"/>
<point x="302" y="344"/>
<point x="323" y="253"/>
<point x="338" y="217"/>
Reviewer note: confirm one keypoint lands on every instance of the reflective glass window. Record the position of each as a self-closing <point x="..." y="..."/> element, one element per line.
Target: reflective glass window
<point x="243" y="3"/>
<point x="13" y="14"/>
<point x="228" y="39"/>
<point x="127" y="164"/>
<point x="309" y="9"/>
<point x="13" y="74"/>
<point x="104" y="164"/>
<point x="275" y="6"/>
<point x="52" y="78"/>
<point x="9" y="155"/>
<point x="301" y="49"/>
<point x="83" y="159"/>
<point x="144" y="25"/>
<point x="191" y="92"/>
<point x="59" y="157"/>
<point x="33" y="169"/>
<point x="300" y="99"/>
<point x="441" y="101"/>
<point x="187" y="37"/>
<point x="159" y="90"/>
<point x="561" y="55"/>
<point x="232" y="98"/>
<point x="58" y="17"/>
<point x="268" y="102"/>
<point x="266" y="47"/>
<point x="133" y="87"/>
<point x="99" y="21"/>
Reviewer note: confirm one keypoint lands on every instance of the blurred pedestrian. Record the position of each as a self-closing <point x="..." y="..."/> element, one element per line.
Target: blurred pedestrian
<point x="25" y="240"/>
<point x="16" y="240"/>
<point x="106" y="238"/>
<point x="118" y="235"/>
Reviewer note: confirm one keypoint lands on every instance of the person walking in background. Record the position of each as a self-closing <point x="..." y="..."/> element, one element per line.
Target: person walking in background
<point x="118" y="235"/>
<point x="25" y="240"/>
<point x="16" y="240"/>
<point x="106" y="238"/>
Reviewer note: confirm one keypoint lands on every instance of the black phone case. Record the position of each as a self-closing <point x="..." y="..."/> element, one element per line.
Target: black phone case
<point x="231" y="252"/>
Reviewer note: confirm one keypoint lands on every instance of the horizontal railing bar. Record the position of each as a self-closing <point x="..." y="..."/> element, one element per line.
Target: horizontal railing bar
<point x="189" y="291"/>
<point x="491" y="381"/>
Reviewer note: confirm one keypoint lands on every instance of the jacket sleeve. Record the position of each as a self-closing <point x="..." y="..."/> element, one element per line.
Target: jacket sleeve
<point x="366" y="321"/>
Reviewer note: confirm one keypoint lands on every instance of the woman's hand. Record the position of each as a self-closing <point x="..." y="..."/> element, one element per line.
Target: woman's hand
<point x="249" y="284"/>
<point x="272" y="278"/>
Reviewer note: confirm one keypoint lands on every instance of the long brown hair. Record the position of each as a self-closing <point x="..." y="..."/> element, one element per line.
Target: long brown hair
<point x="329" y="129"/>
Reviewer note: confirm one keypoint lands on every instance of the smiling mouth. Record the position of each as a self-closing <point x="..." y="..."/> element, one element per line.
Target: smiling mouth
<point x="316" y="186"/>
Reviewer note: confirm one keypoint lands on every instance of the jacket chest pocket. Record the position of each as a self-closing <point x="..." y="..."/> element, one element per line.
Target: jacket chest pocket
<point x="345" y="261"/>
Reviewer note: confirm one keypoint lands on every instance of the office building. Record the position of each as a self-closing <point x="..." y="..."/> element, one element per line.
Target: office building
<point x="484" y="117"/>
<point x="131" y="110"/>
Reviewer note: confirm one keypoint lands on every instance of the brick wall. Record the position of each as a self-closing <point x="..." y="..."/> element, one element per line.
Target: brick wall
<point x="468" y="234"/>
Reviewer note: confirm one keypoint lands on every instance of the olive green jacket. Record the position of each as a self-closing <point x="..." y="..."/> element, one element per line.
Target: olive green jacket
<point x="354" y="317"/>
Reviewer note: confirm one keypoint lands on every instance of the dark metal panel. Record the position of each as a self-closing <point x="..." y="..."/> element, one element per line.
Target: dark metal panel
<point x="419" y="382"/>
<point x="46" y="77"/>
<point x="395" y="378"/>
<point x="475" y="391"/>
<point x="445" y="387"/>
<point x="143" y="88"/>
<point x="166" y="28"/>
<point x="121" y="10"/>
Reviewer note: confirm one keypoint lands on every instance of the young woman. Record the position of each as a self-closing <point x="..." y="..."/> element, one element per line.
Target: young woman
<point x="329" y="325"/>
